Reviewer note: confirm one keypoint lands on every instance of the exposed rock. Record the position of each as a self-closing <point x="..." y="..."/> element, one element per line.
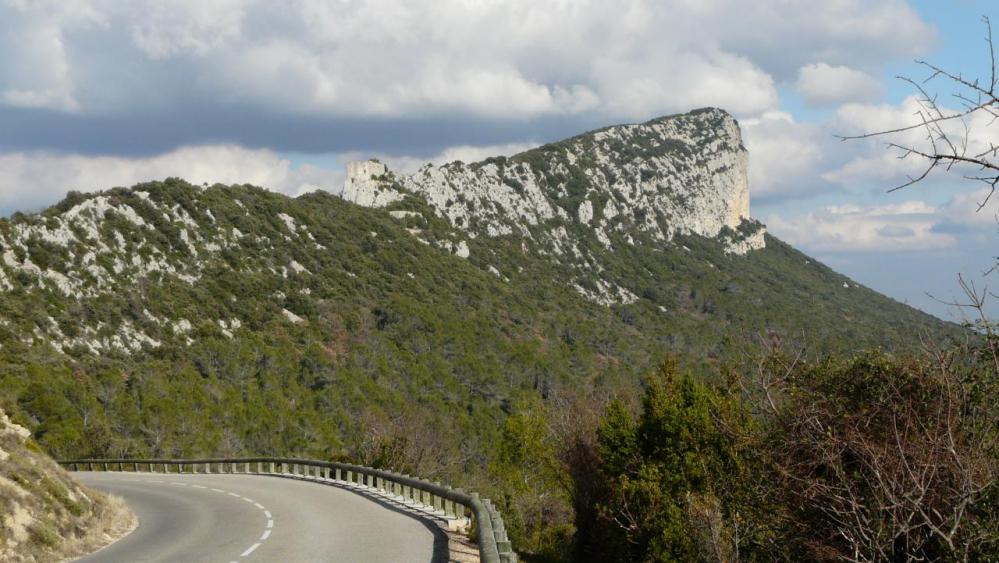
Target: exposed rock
<point x="364" y="185"/>
<point x="683" y="174"/>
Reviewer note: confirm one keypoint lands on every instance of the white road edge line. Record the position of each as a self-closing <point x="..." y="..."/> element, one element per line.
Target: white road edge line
<point x="218" y="490"/>
<point x="250" y="550"/>
<point x="270" y="523"/>
<point x="258" y="505"/>
<point x="267" y="534"/>
<point x="249" y="500"/>
<point x="267" y="513"/>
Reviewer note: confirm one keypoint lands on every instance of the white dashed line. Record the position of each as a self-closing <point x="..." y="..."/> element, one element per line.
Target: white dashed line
<point x="267" y="513"/>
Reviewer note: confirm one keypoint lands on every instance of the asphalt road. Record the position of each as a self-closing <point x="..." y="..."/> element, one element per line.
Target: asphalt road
<point x="229" y="518"/>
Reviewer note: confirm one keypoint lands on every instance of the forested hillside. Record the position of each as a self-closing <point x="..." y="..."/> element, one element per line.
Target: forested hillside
<point x="178" y="320"/>
<point x="173" y="320"/>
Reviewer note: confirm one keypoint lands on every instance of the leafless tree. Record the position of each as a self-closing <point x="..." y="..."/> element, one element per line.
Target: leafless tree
<point x="886" y="462"/>
<point x="950" y="139"/>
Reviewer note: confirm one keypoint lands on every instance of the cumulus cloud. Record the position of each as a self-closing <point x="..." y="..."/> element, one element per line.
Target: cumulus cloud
<point x="879" y="166"/>
<point x="783" y="157"/>
<point x="824" y="84"/>
<point x="902" y="226"/>
<point x="518" y="59"/>
<point x="31" y="181"/>
<point x="36" y="71"/>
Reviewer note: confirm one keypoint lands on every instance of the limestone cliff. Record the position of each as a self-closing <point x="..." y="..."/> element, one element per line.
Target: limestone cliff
<point x="683" y="174"/>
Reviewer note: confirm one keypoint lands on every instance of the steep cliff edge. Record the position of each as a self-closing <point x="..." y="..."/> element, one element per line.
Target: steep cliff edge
<point x="578" y="200"/>
<point x="44" y="514"/>
<point x="682" y="174"/>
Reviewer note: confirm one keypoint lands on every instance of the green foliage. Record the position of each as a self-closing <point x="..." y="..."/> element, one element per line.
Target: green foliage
<point x="673" y="478"/>
<point x="409" y="356"/>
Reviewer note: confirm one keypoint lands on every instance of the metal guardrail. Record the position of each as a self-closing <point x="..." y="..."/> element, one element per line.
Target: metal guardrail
<point x="494" y="544"/>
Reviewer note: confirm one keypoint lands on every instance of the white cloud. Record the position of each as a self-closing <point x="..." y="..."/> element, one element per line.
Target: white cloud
<point x="881" y="166"/>
<point x="783" y="156"/>
<point x="165" y="29"/>
<point x="824" y="84"/>
<point x="30" y="181"/>
<point x="977" y="209"/>
<point x="388" y="58"/>
<point x="902" y="226"/>
<point x="35" y="66"/>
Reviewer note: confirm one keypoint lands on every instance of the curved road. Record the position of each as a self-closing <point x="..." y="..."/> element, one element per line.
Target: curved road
<point x="230" y="518"/>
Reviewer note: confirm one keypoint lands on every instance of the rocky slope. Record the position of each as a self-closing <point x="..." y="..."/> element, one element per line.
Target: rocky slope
<point x="44" y="514"/>
<point x="624" y="185"/>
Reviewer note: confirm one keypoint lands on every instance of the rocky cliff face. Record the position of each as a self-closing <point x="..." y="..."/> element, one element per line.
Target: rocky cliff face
<point x="684" y="174"/>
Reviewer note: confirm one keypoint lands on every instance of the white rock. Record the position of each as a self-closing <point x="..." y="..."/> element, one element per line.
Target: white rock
<point x="292" y="316"/>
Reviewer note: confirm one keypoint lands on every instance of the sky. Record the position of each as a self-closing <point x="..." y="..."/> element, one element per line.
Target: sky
<point x="97" y="93"/>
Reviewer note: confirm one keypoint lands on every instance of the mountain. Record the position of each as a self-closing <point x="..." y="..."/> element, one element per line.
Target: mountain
<point x="46" y="515"/>
<point x="406" y="317"/>
<point x="587" y="196"/>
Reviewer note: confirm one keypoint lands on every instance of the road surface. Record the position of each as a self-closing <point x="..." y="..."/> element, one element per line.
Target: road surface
<point x="246" y="518"/>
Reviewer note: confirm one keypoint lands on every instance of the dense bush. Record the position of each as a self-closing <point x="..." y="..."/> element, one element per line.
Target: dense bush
<point x="875" y="458"/>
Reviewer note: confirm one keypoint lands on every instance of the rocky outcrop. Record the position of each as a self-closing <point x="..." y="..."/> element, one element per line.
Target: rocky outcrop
<point x="684" y="174"/>
<point x="364" y="185"/>
<point x="44" y="514"/>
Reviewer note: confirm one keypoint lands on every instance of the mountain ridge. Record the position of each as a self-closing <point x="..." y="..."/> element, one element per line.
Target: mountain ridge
<point x="171" y="319"/>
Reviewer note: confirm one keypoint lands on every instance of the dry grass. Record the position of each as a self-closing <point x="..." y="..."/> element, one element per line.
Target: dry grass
<point x="44" y="514"/>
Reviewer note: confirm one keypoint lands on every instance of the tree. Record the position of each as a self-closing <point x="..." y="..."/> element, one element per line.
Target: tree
<point x="676" y="477"/>
<point x="884" y="459"/>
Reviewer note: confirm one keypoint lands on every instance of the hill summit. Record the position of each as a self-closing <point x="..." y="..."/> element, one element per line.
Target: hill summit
<point x="627" y="184"/>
